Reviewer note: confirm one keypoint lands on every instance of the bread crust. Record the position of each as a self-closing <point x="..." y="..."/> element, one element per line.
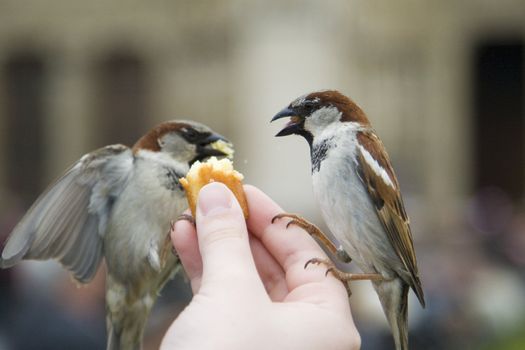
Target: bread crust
<point x="213" y="170"/>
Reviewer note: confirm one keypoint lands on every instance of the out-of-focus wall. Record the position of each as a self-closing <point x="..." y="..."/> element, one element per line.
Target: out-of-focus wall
<point x="232" y="64"/>
<point x="81" y="74"/>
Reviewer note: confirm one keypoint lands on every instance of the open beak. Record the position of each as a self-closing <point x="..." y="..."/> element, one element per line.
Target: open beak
<point x="215" y="145"/>
<point x="294" y="126"/>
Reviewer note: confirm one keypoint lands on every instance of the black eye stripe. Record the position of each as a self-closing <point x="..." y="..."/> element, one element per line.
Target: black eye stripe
<point x="189" y="132"/>
<point x="308" y="107"/>
<point x="193" y="136"/>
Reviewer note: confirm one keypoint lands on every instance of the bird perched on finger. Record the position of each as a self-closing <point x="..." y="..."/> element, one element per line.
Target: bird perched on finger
<point x="360" y="200"/>
<point x="116" y="204"/>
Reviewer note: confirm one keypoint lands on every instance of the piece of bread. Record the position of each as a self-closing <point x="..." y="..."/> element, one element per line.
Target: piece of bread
<point x="212" y="170"/>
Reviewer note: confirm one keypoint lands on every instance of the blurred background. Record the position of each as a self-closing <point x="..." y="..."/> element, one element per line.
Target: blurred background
<point x="442" y="81"/>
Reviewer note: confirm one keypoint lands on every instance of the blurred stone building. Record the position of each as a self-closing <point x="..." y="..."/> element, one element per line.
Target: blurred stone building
<point x="78" y="75"/>
<point x="442" y="81"/>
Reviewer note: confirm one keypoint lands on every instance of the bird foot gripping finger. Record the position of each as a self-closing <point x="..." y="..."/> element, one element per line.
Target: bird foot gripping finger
<point x="330" y="268"/>
<point x="319" y="261"/>
<point x="316" y="232"/>
<point x="286" y="215"/>
<point x="167" y="245"/>
<point x="347" y="277"/>
<point x="186" y="217"/>
<point x="301" y="222"/>
<point x="342" y="276"/>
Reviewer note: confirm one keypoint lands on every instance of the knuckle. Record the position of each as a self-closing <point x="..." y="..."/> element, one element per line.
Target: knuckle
<point x="219" y="234"/>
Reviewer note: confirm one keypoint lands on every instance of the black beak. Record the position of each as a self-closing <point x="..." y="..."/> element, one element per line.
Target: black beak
<point x="286" y="112"/>
<point x="205" y="150"/>
<point x="211" y="138"/>
<point x="294" y="126"/>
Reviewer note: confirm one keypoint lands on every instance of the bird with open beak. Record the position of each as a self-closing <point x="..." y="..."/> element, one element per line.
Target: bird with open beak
<point x="360" y="201"/>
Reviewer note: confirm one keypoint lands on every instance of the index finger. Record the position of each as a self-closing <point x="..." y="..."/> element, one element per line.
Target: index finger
<point x="291" y="247"/>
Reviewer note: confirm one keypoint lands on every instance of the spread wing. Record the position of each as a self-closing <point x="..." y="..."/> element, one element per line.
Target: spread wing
<point x="379" y="179"/>
<point x="67" y="222"/>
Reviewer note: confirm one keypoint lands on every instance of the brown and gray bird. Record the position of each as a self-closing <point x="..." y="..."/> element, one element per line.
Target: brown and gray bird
<point x="360" y="200"/>
<point x="116" y="204"/>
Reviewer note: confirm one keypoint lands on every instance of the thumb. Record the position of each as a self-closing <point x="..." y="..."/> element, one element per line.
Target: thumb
<point x="227" y="261"/>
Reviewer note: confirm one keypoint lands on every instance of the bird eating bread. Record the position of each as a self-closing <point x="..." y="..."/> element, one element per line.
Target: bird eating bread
<point x="116" y="204"/>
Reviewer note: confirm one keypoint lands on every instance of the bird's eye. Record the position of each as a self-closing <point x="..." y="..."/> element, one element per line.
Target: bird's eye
<point x="309" y="105"/>
<point x="190" y="134"/>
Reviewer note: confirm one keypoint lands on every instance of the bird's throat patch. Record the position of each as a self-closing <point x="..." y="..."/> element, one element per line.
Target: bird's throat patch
<point x="169" y="179"/>
<point x="319" y="153"/>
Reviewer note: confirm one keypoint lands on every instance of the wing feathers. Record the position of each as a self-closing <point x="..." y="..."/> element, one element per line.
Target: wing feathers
<point x="380" y="181"/>
<point x="68" y="220"/>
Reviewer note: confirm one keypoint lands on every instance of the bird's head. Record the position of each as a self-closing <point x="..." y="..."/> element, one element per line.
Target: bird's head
<point x="313" y="114"/>
<point x="186" y="141"/>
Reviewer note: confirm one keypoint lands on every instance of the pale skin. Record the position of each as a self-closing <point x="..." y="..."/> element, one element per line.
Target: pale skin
<point x="251" y="290"/>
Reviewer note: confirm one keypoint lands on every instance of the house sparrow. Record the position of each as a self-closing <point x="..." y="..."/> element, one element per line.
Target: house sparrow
<point x="360" y="200"/>
<point x="116" y="203"/>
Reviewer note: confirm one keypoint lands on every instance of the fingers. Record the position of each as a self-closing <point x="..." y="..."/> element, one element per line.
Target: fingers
<point x="184" y="238"/>
<point x="222" y="250"/>
<point x="284" y="244"/>
<point x="227" y="263"/>
<point x="290" y="247"/>
<point x="270" y="272"/>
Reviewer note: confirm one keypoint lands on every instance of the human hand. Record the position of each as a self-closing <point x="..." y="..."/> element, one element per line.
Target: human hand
<point x="252" y="290"/>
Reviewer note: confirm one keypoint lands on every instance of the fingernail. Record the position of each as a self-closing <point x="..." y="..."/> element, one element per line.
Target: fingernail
<point x="214" y="198"/>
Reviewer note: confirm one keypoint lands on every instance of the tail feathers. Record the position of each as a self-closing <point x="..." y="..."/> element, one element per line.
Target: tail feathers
<point x="418" y="290"/>
<point x="113" y="340"/>
<point x="394" y="300"/>
<point x="128" y="338"/>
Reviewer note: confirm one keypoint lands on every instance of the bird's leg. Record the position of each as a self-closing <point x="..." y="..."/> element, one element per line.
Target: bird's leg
<point x="344" y="277"/>
<point x="167" y="245"/>
<point x="341" y="275"/>
<point x="336" y="251"/>
<point x="186" y="217"/>
<point x="315" y="232"/>
<point x="329" y="265"/>
<point x="167" y="242"/>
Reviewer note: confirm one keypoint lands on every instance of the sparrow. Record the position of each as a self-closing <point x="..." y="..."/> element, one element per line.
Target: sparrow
<point x="360" y="201"/>
<point x="116" y="203"/>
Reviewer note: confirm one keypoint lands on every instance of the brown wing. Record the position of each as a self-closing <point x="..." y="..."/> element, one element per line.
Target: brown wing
<point x="381" y="183"/>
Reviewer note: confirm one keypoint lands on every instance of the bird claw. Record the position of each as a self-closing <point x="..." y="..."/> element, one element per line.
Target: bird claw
<point x="299" y="221"/>
<point x="317" y="261"/>
<point x="314" y="231"/>
<point x="187" y="217"/>
<point x="328" y="270"/>
<point x="292" y="222"/>
<point x="342" y="276"/>
<point x="280" y="216"/>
